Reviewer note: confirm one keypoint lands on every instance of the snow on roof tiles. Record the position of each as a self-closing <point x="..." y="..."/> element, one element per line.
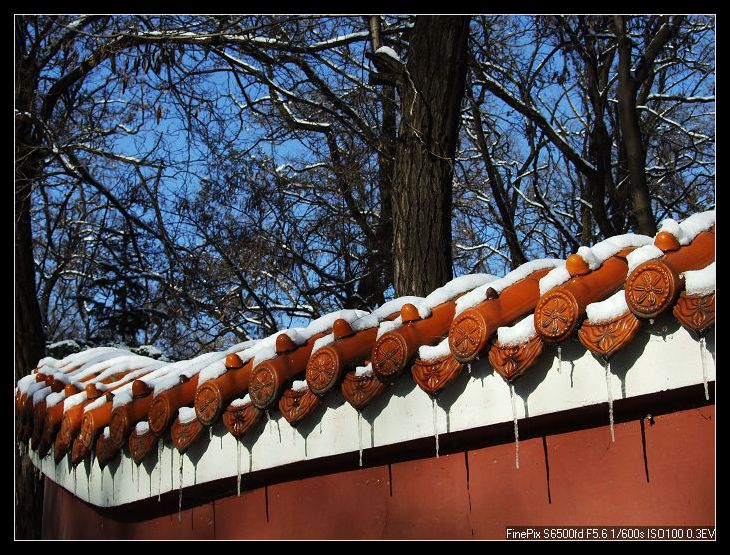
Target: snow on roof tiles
<point x="614" y="289"/>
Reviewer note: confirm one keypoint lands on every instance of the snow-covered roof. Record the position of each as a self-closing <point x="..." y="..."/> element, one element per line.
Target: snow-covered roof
<point x="513" y="318"/>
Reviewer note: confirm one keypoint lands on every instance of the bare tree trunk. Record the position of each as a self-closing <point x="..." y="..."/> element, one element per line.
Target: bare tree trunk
<point x="431" y="95"/>
<point x="628" y="87"/>
<point x="635" y="154"/>
<point x="29" y="336"/>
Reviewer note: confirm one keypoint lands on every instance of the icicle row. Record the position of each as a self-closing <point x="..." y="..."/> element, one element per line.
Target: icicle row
<point x="704" y="367"/>
<point x="607" y="366"/>
<point x="517" y="430"/>
<point x="359" y="435"/>
<point x="159" y="462"/>
<point x="435" y="429"/>
<point x="179" y="499"/>
<point x="238" y="467"/>
<point x="560" y="358"/>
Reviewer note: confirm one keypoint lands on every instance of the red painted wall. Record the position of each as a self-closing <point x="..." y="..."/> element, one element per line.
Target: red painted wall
<point x="573" y="478"/>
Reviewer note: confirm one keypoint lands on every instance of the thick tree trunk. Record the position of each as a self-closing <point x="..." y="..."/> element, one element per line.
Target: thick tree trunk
<point x="628" y="84"/>
<point x="431" y="95"/>
<point x="29" y="336"/>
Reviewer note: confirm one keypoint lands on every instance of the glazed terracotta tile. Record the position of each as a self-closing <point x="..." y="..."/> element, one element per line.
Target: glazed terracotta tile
<point x="240" y="419"/>
<point x="472" y="330"/>
<point x="434" y="375"/>
<point x="395" y="350"/>
<point x="653" y="286"/>
<point x="269" y="377"/>
<point x="326" y="366"/>
<point x="212" y="397"/>
<point x="297" y="404"/>
<point x="558" y="312"/>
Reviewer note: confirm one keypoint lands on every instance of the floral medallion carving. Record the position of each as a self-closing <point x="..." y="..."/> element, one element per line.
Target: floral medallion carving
<point x="434" y="375"/>
<point x="208" y="403"/>
<point x="389" y="356"/>
<point x="141" y="445"/>
<point x="650" y="289"/>
<point x="467" y="335"/>
<point x="323" y="370"/>
<point x="86" y="435"/>
<point x="239" y="420"/>
<point x="512" y="360"/>
<point x="183" y="435"/>
<point x="65" y="437"/>
<point x="360" y="390"/>
<point x="605" y="338"/>
<point x="119" y="426"/>
<point x="556" y="315"/>
<point x="695" y="312"/>
<point x="160" y="415"/>
<point x="105" y="451"/>
<point x="60" y="448"/>
<point x="79" y="451"/>
<point x="262" y="387"/>
<point x="295" y="405"/>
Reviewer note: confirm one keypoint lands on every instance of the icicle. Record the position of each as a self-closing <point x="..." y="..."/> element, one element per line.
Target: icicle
<point x="210" y="433"/>
<point x="435" y="429"/>
<point x="238" y="468"/>
<point x="359" y="435"/>
<point x="560" y="358"/>
<point x="468" y="368"/>
<point x="159" y="462"/>
<point x="250" y="459"/>
<point x="305" y="447"/>
<point x="517" y="430"/>
<point x="607" y="366"/>
<point x="704" y="367"/>
<point x="179" y="499"/>
<point x="651" y="321"/>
